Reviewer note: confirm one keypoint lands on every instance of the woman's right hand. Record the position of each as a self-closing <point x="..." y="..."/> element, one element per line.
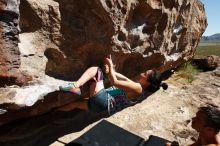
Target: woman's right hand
<point x="108" y="61"/>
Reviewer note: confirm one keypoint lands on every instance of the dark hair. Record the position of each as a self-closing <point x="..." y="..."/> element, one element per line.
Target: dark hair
<point x="212" y="117"/>
<point x="155" y="80"/>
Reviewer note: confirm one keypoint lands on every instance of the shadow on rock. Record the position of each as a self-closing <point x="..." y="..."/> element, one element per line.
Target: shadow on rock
<point x="45" y="129"/>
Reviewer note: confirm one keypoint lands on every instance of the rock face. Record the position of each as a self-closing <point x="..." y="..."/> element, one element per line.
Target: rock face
<point x="160" y="34"/>
<point x="9" y="52"/>
<point x="61" y="38"/>
<point x="210" y="62"/>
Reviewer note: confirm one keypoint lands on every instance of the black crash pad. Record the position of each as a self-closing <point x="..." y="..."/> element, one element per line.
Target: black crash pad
<point x="108" y="134"/>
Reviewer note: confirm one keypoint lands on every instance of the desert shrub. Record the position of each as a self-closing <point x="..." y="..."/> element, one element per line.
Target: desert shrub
<point x="187" y="72"/>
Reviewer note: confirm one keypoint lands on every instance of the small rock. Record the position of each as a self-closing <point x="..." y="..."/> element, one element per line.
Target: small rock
<point x="216" y="72"/>
<point x="2" y="111"/>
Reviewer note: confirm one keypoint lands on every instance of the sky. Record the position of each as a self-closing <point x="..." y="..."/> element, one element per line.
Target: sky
<point x="212" y="10"/>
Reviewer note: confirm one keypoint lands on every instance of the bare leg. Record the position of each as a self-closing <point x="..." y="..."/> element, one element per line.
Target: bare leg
<point x="86" y="76"/>
<point x="95" y="87"/>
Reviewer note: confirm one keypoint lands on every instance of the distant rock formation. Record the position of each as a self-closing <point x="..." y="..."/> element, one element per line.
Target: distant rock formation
<point x="60" y="39"/>
<point x="214" y="37"/>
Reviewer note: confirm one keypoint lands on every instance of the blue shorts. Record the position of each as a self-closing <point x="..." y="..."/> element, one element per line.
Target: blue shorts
<point x="99" y="102"/>
<point x="111" y="99"/>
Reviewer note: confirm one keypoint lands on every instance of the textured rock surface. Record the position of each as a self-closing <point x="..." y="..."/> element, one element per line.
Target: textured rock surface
<point x="59" y="39"/>
<point x="10" y="72"/>
<point x="210" y="62"/>
<point x="138" y="33"/>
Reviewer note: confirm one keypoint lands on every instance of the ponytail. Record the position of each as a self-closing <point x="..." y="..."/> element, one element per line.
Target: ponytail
<point x="156" y="81"/>
<point x="164" y="85"/>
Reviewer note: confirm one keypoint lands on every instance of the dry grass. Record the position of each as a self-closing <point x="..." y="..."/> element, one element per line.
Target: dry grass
<point x="185" y="74"/>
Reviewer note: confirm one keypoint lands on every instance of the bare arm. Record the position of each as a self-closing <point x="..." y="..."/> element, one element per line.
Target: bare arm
<point x="122" y="77"/>
<point x="119" y="76"/>
<point x="121" y="81"/>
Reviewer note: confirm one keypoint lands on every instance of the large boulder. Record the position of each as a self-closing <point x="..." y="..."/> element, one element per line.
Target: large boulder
<point x="139" y="34"/>
<point x="60" y="39"/>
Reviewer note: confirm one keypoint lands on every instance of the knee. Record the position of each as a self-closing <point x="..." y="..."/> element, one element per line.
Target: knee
<point x="94" y="68"/>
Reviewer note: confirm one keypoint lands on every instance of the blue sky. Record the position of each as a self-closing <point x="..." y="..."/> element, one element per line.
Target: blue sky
<point x="212" y="9"/>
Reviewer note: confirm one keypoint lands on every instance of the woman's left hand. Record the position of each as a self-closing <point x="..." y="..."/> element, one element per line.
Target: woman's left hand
<point x="105" y="69"/>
